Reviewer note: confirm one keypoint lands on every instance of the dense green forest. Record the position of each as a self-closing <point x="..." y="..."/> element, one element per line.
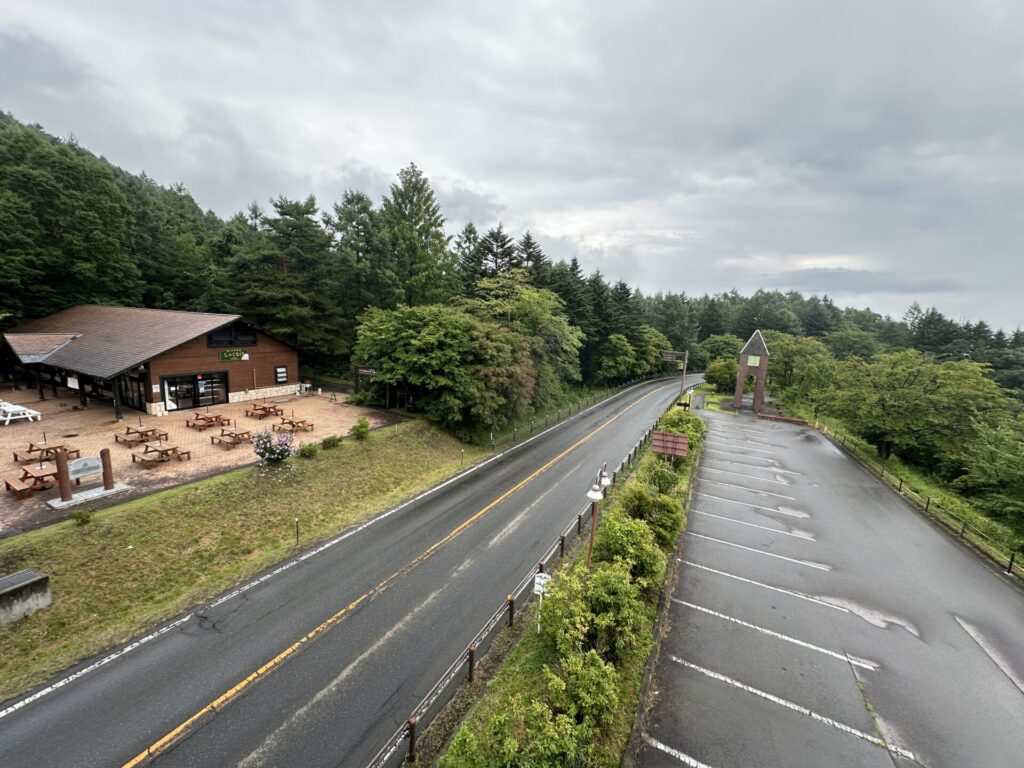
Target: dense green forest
<point x="482" y="328"/>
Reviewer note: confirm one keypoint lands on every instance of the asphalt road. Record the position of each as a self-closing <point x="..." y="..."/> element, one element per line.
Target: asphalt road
<point x="819" y="621"/>
<point x="403" y="597"/>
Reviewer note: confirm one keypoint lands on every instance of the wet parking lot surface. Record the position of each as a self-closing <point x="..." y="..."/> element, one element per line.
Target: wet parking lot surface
<point x="819" y="621"/>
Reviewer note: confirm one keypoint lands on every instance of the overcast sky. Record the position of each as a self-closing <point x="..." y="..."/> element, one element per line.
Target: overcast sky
<point x="873" y="151"/>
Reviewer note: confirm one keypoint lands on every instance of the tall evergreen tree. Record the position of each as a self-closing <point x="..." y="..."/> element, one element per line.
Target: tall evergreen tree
<point x="532" y="257"/>
<point x="470" y="259"/>
<point x="498" y="252"/>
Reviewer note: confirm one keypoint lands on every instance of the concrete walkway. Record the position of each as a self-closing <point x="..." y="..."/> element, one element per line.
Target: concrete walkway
<point x="818" y="621"/>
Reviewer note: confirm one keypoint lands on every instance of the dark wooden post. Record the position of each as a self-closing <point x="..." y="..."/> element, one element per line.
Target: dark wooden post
<point x="108" y="470"/>
<point x="39" y="381"/>
<point x="63" y="478"/>
<point x="117" y="400"/>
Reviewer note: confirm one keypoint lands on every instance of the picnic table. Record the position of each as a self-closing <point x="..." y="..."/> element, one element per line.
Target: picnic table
<point x="141" y="434"/>
<point x="159" y="451"/>
<point x="292" y="424"/>
<point x="39" y="474"/>
<point x="203" y="421"/>
<point x="229" y="437"/>
<point x="45" y="449"/>
<point x="10" y="412"/>
<point x="262" y="410"/>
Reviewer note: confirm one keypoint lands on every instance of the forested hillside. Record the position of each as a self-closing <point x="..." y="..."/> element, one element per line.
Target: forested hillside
<point x="480" y="327"/>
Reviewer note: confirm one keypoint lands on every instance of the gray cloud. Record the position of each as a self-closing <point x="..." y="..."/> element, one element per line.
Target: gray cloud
<point x="869" y="150"/>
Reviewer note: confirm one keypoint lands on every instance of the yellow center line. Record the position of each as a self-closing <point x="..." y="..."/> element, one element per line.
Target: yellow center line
<point x="221" y="701"/>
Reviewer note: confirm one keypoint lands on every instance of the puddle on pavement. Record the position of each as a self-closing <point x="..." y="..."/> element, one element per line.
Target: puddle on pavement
<point x="872" y="616"/>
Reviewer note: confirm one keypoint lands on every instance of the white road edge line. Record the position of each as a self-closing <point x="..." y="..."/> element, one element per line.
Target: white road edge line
<point x="745" y="488"/>
<point x="290" y="563"/>
<point x="843" y="657"/>
<point x="905" y="753"/>
<point x="992" y="653"/>
<point x="740" y="474"/>
<point x="808" y="563"/>
<point x="745" y="580"/>
<point x="802" y="516"/>
<point x="690" y="762"/>
<point x="801" y="535"/>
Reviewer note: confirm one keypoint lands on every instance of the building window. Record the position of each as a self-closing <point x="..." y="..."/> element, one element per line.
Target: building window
<point x="281" y="374"/>
<point x="234" y="335"/>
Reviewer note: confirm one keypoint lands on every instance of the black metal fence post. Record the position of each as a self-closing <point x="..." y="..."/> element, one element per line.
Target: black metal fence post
<point x="1009" y="568"/>
<point x="579" y="523"/>
<point x="901" y="486"/>
<point x="411" y="755"/>
<point x="927" y="503"/>
<point x="471" y="653"/>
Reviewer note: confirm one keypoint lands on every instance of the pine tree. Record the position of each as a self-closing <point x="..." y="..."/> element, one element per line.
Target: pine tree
<point x="533" y="260"/>
<point x="498" y="252"/>
<point x="470" y="259"/>
<point x="414" y="234"/>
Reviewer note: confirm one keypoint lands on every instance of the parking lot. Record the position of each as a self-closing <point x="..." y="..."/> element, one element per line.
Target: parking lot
<point x="817" y="620"/>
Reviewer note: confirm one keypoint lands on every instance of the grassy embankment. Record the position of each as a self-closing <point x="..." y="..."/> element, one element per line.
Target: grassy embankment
<point x="137" y="564"/>
<point x="713" y="401"/>
<point x="502" y="722"/>
<point x="921" y="486"/>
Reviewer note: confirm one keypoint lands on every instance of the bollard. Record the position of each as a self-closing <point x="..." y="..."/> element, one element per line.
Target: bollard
<point x="63" y="478"/>
<point x="411" y="756"/>
<point x="462" y="458"/>
<point x="108" y="470"/>
<point x="901" y="486"/>
<point x="963" y="528"/>
<point x="927" y="503"/>
<point x="579" y="523"/>
<point x="511" y="610"/>
<point x="296" y="531"/>
<point x="513" y="434"/>
<point x="540" y="567"/>
<point x="1009" y="568"/>
<point x="471" y="652"/>
<point x="561" y="545"/>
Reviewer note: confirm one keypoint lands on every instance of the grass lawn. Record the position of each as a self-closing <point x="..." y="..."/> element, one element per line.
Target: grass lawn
<point x="145" y="561"/>
<point x="712" y="400"/>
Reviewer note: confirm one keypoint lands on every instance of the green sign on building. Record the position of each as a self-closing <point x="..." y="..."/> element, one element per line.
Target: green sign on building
<point x="232" y="355"/>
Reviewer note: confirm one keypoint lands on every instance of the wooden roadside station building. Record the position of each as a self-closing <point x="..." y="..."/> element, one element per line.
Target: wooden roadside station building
<point x="151" y="360"/>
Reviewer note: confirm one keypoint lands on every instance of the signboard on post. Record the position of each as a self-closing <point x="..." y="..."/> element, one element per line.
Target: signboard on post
<point x="540" y="583"/>
<point x="87" y="465"/>
<point x="668" y="356"/>
<point x="670" y="444"/>
<point x="363" y="370"/>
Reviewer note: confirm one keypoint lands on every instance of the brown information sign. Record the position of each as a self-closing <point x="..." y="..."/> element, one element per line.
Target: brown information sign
<point x="670" y="444"/>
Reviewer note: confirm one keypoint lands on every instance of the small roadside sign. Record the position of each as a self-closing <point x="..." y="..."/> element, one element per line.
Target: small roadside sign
<point x="540" y="583"/>
<point x="363" y="370"/>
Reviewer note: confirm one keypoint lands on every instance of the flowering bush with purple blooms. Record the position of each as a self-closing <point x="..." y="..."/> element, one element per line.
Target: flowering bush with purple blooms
<point x="273" y="448"/>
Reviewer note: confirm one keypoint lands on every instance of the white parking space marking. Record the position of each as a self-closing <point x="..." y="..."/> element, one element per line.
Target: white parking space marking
<point x="744" y="464"/>
<point x="808" y="563"/>
<point x="799" y="535"/>
<point x="801" y="515"/>
<point x="740" y="474"/>
<point x="843" y="657"/>
<point x="745" y="488"/>
<point x="744" y="448"/>
<point x="685" y="759"/>
<point x="745" y="580"/>
<point x="893" y="748"/>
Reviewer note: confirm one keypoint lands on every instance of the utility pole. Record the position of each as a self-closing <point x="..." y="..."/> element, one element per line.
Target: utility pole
<point x="682" y="385"/>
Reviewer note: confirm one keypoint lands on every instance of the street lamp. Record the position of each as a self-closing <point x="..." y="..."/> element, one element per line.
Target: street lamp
<point x="595" y="494"/>
<point x="605" y="478"/>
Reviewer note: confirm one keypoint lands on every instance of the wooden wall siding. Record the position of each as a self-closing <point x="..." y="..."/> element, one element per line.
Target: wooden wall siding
<point x="195" y="357"/>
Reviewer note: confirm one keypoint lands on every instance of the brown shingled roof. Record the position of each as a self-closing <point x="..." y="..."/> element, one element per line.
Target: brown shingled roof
<point x="110" y="340"/>
<point x="755" y="345"/>
<point x="34" y="347"/>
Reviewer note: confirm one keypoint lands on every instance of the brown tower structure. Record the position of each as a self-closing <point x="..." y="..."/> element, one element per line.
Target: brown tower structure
<point x="753" y="362"/>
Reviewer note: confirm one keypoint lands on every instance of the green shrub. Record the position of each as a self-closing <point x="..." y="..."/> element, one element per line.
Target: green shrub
<point x="522" y="735"/>
<point x="584" y="687"/>
<point x="721" y="373"/>
<point x="599" y="610"/>
<point x="682" y="422"/>
<point x="360" y="430"/>
<point x="331" y="441"/>
<point x="661" y="512"/>
<point x="625" y="538"/>
<point x="308" y="450"/>
<point x="83" y="516"/>
<point x="660" y="476"/>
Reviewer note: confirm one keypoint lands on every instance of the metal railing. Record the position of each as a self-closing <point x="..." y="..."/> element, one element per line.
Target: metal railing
<point x="1007" y="558"/>
<point x="463" y="667"/>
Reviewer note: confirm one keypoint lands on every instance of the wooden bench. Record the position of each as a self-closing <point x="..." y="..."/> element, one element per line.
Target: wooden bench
<point x="182" y="455"/>
<point x="20" y="488"/>
<point x="199" y="424"/>
<point x="256" y="414"/>
<point x="284" y="428"/>
<point x="149" y="459"/>
<point x="227" y="441"/>
<point x="130" y="440"/>
<point x="23" y="458"/>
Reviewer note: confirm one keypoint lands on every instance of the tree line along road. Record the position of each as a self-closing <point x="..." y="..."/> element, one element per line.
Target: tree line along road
<point x="381" y="614"/>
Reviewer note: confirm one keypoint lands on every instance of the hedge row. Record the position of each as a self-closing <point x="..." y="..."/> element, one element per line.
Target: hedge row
<point x="595" y="634"/>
